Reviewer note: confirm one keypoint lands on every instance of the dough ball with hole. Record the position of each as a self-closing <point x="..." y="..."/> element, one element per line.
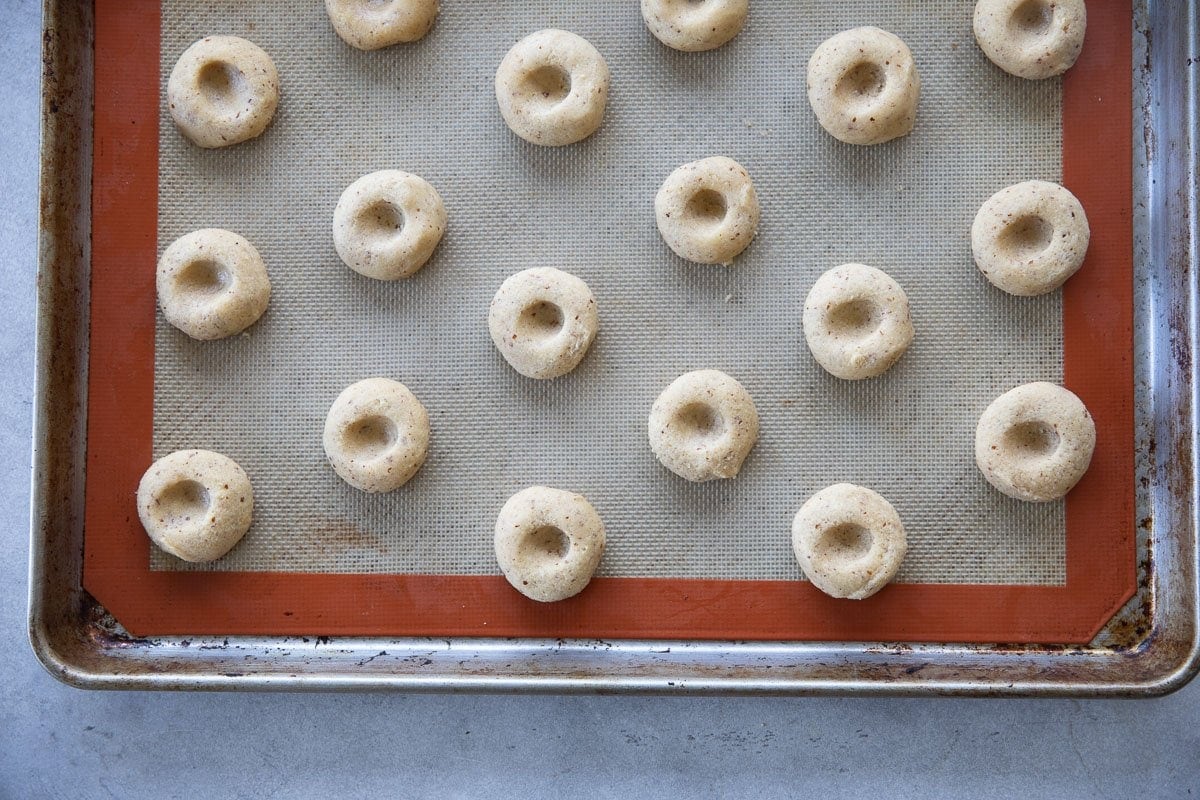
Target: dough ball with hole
<point x="548" y="543"/>
<point x="195" y="504"/>
<point x="552" y="88"/>
<point x="1035" y="442"/>
<point x="703" y="426"/>
<point x="376" y="435"/>
<point x="856" y="321"/>
<point x="707" y="211"/>
<point x="543" y="320"/>
<point x="1032" y="39"/>
<point x="693" y="26"/>
<point x="387" y="224"/>
<point x="849" y="541"/>
<point x="223" y="90"/>
<point x="370" y="25"/>
<point x="863" y="86"/>
<point x="1030" y="237"/>
<point x="212" y="284"/>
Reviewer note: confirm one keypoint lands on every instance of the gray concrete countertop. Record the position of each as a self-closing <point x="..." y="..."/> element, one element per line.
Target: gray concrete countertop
<point x="61" y="742"/>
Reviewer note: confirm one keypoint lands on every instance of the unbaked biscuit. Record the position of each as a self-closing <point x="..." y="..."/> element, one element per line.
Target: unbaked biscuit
<point x="693" y="26"/>
<point x="1030" y="237"/>
<point x="195" y="504"/>
<point x="223" y="90"/>
<point x="857" y="322"/>
<point x="212" y="283"/>
<point x="1035" y="442"/>
<point x="1031" y="38"/>
<point x="863" y="86"/>
<point x="542" y="320"/>
<point x="707" y="211"/>
<point x="372" y="24"/>
<point x="849" y="541"/>
<point x="703" y="426"/>
<point x="552" y="88"/>
<point x="376" y="435"/>
<point x="548" y="543"/>
<point x="387" y="224"/>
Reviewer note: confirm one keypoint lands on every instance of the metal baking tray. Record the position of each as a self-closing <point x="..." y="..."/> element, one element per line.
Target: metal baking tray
<point x="1151" y="646"/>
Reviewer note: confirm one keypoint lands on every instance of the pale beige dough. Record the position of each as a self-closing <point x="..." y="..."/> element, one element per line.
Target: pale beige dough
<point x="543" y="320"/>
<point x="856" y="321"/>
<point x="863" y="86"/>
<point x="548" y="543"/>
<point x="387" y="224"/>
<point x="1031" y="38"/>
<point x="707" y="211"/>
<point x="212" y="284"/>
<point x="195" y="504"/>
<point x="552" y="88"/>
<point x="849" y="541"/>
<point x="376" y="435"/>
<point x="372" y="24"/>
<point x="703" y="426"/>
<point x="1035" y="442"/>
<point x="1030" y="237"/>
<point x="223" y="90"/>
<point x="692" y="26"/>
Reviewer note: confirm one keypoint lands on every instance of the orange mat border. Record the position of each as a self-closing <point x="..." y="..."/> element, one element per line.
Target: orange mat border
<point x="1098" y="332"/>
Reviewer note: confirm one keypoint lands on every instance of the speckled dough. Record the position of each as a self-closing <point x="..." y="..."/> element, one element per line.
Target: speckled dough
<point x="223" y="90"/>
<point x="376" y="435"/>
<point x="387" y="224"/>
<point x="370" y="25"/>
<point x="863" y="86"/>
<point x="703" y="426"/>
<point x="1031" y="38"/>
<point x="548" y="543"/>
<point x="552" y="88"/>
<point x="856" y="321"/>
<point x="849" y="541"/>
<point x="542" y="321"/>
<point x="195" y="504"/>
<point x="1029" y="238"/>
<point x="691" y="26"/>
<point x="1035" y="442"/>
<point x="707" y="211"/>
<point x="212" y="284"/>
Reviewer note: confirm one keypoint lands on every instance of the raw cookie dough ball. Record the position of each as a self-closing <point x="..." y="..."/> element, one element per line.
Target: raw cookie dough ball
<point x="371" y="24"/>
<point x="863" y="86"/>
<point x="223" y="90"/>
<point x="1029" y="238"/>
<point x="856" y="321"/>
<point x="376" y="435"/>
<point x="707" y="211"/>
<point x="548" y="543"/>
<point x="692" y="26"/>
<point x="1031" y="38"/>
<point x="195" y="504"/>
<point x="1035" y="442"/>
<point x="552" y="88"/>
<point x="542" y="321"/>
<point x="849" y="541"/>
<point x="212" y="284"/>
<point x="387" y="224"/>
<point x="703" y="426"/>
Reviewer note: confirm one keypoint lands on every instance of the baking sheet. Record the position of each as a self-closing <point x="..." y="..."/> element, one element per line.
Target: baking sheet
<point x="429" y="108"/>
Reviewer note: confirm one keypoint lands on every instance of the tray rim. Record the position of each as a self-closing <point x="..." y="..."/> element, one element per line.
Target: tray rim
<point x="81" y="645"/>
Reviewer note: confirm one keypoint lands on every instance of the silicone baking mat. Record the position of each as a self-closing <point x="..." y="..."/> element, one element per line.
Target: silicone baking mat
<point x="683" y="560"/>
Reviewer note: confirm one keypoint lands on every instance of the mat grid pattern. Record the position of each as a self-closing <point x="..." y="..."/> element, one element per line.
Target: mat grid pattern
<point x="429" y="108"/>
